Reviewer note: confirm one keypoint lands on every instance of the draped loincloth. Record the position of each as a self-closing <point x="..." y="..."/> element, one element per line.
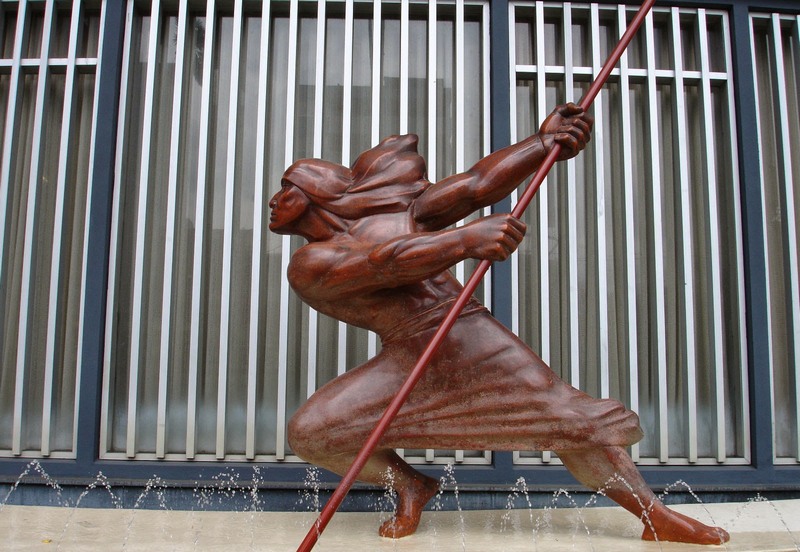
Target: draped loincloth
<point x="484" y="389"/>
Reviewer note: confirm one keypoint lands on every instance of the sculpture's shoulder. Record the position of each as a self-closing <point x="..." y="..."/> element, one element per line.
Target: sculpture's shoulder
<point x="318" y="269"/>
<point x="310" y="261"/>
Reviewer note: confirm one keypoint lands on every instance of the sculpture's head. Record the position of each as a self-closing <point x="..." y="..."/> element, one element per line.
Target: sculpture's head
<point x="384" y="179"/>
<point x="307" y="184"/>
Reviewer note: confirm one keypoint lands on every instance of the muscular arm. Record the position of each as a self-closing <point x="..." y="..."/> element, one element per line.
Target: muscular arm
<point x="498" y="174"/>
<point x="338" y="270"/>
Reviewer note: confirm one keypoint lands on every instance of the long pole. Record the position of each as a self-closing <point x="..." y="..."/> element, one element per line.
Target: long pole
<point x="469" y="289"/>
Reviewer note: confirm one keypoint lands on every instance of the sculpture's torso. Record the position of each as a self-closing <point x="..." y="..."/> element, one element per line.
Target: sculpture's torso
<point x="382" y="310"/>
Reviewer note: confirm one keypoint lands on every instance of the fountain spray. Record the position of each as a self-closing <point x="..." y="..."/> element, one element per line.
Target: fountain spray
<point x="469" y="288"/>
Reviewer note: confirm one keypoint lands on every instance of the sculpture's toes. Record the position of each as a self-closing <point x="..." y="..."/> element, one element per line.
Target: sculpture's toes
<point x="675" y="527"/>
<point x="399" y="526"/>
<point x="411" y="501"/>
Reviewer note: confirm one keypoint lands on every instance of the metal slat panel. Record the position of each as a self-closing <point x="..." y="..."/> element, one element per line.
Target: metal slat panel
<point x="541" y="110"/>
<point x="12" y="114"/>
<point x="658" y="245"/>
<point x="404" y="56"/>
<point x="432" y="84"/>
<point x="603" y="207"/>
<point x="487" y="149"/>
<point x="684" y="181"/>
<point x="739" y="232"/>
<point x="347" y="78"/>
<point x="630" y="229"/>
<point x="460" y="61"/>
<point x="572" y="216"/>
<point x="283" y="331"/>
<point x="319" y="77"/>
<point x="37" y="153"/>
<point x="791" y="251"/>
<point x="372" y="339"/>
<point x="544" y="202"/>
<point x="58" y="226"/>
<point x="141" y="224"/>
<point x="169" y="236"/>
<point x="654" y="79"/>
<point x="227" y="240"/>
<point x="765" y="233"/>
<point x="199" y="236"/>
<point x="430" y="454"/>
<point x="460" y="130"/>
<point x="487" y="134"/>
<point x="514" y="133"/>
<point x="377" y="34"/>
<point x="714" y="238"/>
<point x="795" y="268"/>
<point x="319" y="86"/>
<point x="258" y="223"/>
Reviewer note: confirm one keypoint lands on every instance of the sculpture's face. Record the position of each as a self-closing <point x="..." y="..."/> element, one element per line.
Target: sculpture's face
<point x="287" y="208"/>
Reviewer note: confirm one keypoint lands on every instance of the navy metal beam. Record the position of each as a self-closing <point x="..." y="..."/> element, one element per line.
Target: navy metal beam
<point x="501" y="137"/>
<point x="88" y="426"/>
<point x="756" y="293"/>
<point x="500" y="78"/>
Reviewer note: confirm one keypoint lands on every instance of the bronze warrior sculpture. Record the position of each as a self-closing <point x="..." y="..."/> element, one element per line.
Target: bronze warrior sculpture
<point x="380" y="245"/>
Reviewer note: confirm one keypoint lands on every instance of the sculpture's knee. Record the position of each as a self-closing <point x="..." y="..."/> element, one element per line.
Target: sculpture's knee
<point x="625" y="424"/>
<point x="304" y="434"/>
<point x="611" y="423"/>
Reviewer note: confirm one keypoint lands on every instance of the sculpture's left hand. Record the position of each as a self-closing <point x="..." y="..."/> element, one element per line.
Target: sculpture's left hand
<point x="570" y="127"/>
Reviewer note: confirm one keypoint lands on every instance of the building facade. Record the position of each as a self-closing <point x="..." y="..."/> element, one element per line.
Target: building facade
<point x="146" y="325"/>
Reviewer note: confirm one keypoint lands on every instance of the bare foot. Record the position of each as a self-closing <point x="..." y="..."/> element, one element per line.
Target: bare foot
<point x="666" y="525"/>
<point x="411" y="501"/>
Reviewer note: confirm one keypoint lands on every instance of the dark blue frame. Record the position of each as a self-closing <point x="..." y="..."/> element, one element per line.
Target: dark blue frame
<point x="490" y="482"/>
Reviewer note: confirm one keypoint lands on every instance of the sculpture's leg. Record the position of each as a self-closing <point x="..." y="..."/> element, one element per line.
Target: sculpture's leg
<point x="385" y="467"/>
<point x="611" y="470"/>
<point x="413" y="489"/>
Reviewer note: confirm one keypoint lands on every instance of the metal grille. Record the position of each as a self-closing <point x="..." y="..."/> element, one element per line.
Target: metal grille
<point x="630" y="282"/>
<point x="48" y="65"/>
<point x="208" y="351"/>
<point x="776" y="59"/>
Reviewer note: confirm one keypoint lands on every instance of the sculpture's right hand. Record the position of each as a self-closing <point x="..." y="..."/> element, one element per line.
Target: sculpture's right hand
<point x="569" y="126"/>
<point x="493" y="238"/>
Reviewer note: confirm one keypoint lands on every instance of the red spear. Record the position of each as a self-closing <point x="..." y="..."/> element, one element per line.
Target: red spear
<point x="469" y="288"/>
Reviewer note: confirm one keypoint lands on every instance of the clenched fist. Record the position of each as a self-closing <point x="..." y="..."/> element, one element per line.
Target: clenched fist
<point x="570" y="127"/>
<point x="493" y="238"/>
